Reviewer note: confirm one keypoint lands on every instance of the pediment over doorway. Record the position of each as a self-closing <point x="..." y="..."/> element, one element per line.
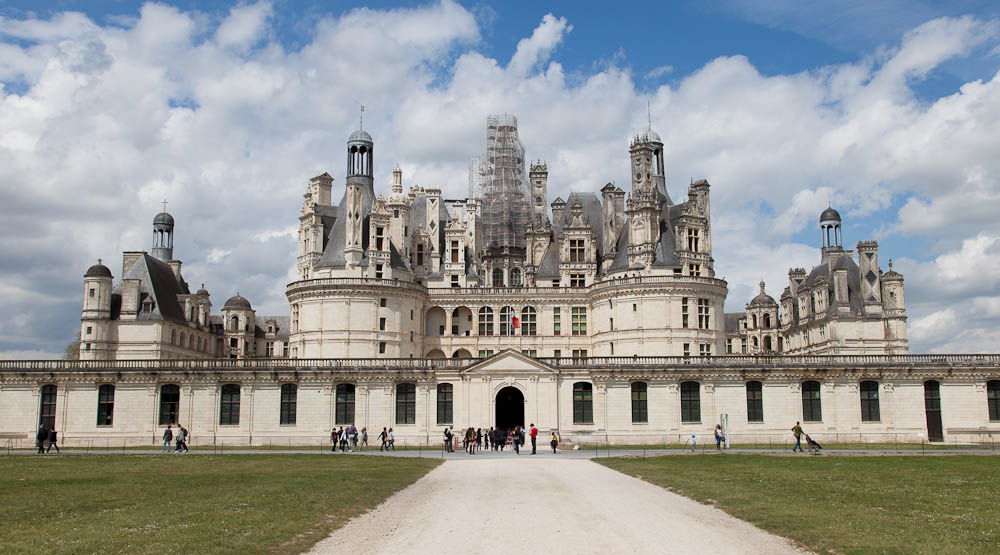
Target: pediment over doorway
<point x="509" y="363"/>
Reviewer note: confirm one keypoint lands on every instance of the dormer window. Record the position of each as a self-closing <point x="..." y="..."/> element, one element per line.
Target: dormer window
<point x="576" y="250"/>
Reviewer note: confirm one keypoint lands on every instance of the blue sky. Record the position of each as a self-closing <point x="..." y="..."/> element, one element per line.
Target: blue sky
<point x="887" y="109"/>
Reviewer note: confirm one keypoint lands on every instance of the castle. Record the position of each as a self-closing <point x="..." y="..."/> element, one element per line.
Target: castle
<point x="594" y="316"/>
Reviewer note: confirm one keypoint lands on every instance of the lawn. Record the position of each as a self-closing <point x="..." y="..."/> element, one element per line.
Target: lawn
<point x="187" y="503"/>
<point x="934" y="504"/>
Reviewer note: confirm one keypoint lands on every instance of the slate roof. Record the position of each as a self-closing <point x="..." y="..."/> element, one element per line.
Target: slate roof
<point x="333" y="250"/>
<point x="156" y="280"/>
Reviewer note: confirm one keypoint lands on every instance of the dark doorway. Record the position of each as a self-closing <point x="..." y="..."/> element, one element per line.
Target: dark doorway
<point x="510" y="408"/>
<point x="932" y="406"/>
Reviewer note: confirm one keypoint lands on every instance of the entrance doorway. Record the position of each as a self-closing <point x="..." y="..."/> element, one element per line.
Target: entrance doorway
<point x="509" y="408"/>
<point x="932" y="406"/>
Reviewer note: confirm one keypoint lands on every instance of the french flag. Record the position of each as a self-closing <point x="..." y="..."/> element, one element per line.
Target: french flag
<point x="515" y="322"/>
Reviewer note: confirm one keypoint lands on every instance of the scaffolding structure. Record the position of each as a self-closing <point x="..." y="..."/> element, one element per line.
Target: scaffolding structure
<point x="499" y="182"/>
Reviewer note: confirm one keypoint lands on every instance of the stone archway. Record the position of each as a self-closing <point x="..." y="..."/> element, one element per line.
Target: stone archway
<point x="509" y="408"/>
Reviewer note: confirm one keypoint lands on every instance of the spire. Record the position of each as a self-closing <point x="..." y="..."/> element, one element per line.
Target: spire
<point x="361" y="124"/>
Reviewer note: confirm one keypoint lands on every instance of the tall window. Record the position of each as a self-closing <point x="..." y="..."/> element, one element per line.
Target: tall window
<point x="690" y="402"/>
<point x="345" y="404"/>
<point x="289" y="400"/>
<point x="485" y="321"/>
<point x="506" y="326"/>
<point x="229" y="405"/>
<point x="454" y="252"/>
<point x="576" y="250"/>
<point x="497" y="277"/>
<point x="529" y="321"/>
<point x="993" y="399"/>
<point x="578" y="280"/>
<point x="556" y="324"/>
<point x="579" y="315"/>
<point x="583" y="403"/>
<point x="105" y="404"/>
<point x="406" y="403"/>
<point x="869" y="402"/>
<point x="684" y="312"/>
<point x="515" y="277"/>
<point x="170" y="404"/>
<point x="445" y="413"/>
<point x="693" y="240"/>
<point x="703" y="321"/>
<point x="47" y="416"/>
<point x="812" y="409"/>
<point x="755" y="402"/>
<point x="640" y="412"/>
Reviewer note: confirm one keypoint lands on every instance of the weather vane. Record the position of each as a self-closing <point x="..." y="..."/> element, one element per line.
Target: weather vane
<point x="164" y="205"/>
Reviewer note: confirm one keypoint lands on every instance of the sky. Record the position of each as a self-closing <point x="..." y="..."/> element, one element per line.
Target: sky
<point x="887" y="111"/>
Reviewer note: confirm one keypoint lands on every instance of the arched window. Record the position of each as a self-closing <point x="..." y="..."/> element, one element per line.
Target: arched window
<point x="234" y="324"/>
<point x="497" y="277"/>
<point x="812" y="408"/>
<point x="444" y="403"/>
<point x="583" y="403"/>
<point x="767" y="342"/>
<point x="640" y="411"/>
<point x="289" y="402"/>
<point x="173" y="337"/>
<point x="993" y="399"/>
<point x="406" y="403"/>
<point x="182" y="339"/>
<point x="515" y="277"/>
<point x="229" y="405"/>
<point x="767" y="320"/>
<point x="690" y="402"/>
<point x="506" y="320"/>
<point x="47" y="414"/>
<point x="755" y="402"/>
<point x="869" y="402"/>
<point x="753" y="319"/>
<point x="529" y="319"/>
<point x="345" y="404"/>
<point x="932" y="410"/>
<point x="170" y="404"/>
<point x="105" y="404"/>
<point x="485" y="321"/>
<point x="755" y="343"/>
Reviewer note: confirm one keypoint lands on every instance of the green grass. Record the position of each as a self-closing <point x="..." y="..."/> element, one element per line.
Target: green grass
<point x="845" y="504"/>
<point x="188" y="504"/>
<point x="827" y="446"/>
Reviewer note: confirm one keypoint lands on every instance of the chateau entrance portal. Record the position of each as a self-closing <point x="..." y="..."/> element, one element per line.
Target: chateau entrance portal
<point x="509" y="408"/>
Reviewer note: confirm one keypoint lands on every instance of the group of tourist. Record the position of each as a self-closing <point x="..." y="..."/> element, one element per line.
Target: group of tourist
<point x="181" y="438"/>
<point x="46" y="439"/>
<point x="496" y="439"/>
<point x="349" y="438"/>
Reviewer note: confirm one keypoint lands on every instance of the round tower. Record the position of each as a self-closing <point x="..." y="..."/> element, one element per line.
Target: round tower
<point x="238" y="321"/>
<point x="163" y="236"/>
<point x="829" y="225"/>
<point x="96" y="317"/>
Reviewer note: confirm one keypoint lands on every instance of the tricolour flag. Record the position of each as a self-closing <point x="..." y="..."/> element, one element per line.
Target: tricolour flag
<point x="515" y="322"/>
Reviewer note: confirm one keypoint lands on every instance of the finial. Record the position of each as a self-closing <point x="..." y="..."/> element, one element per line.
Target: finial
<point x="99" y="261"/>
<point x="362" y="125"/>
<point x="890" y="264"/>
<point x="164" y="205"/>
<point x="829" y="200"/>
<point x="649" y="116"/>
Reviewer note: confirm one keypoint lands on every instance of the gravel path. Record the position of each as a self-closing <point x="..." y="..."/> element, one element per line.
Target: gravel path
<point x="543" y="506"/>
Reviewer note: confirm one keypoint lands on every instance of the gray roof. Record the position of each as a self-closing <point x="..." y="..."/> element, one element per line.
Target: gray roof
<point x="333" y="251"/>
<point x="237" y="301"/>
<point x="549" y="267"/>
<point x="163" y="219"/>
<point x="156" y="280"/>
<point x="829" y="214"/>
<point x="98" y="270"/>
<point x="282" y="326"/>
<point x="732" y="321"/>
<point x="360" y="136"/>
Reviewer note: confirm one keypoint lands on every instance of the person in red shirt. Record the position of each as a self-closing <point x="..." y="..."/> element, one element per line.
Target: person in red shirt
<point x="534" y="436"/>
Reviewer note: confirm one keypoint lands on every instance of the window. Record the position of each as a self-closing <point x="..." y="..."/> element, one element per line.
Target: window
<point x="693" y="240"/>
<point x="684" y="312"/>
<point x="444" y="403"/>
<point x="557" y="353"/>
<point x="395" y="213"/>
<point x="515" y="277"/>
<point x="694" y="269"/>
<point x="420" y="255"/>
<point x="729" y="345"/>
<point x="755" y="402"/>
<point x="345" y="404"/>
<point x="289" y="400"/>
<point x="555" y="282"/>
<point x="579" y="315"/>
<point x="170" y="404"/>
<point x="269" y="349"/>
<point x="577" y="280"/>
<point x="91" y="292"/>
<point x="556" y="325"/>
<point x="993" y="399"/>
<point x="406" y="403"/>
<point x="687" y="349"/>
<point x="229" y="405"/>
<point x="381" y="324"/>
<point x="583" y="403"/>
<point x="703" y="319"/>
<point x="381" y="347"/>
<point x="812" y="409"/>
<point x="485" y="321"/>
<point x="744" y="345"/>
<point x="382" y="303"/>
<point x="529" y="352"/>
<point x="86" y="347"/>
<point x="378" y="271"/>
<point x="485" y="353"/>
<point x="576" y="250"/>
<point x="869" y="402"/>
<point x="47" y="415"/>
<point x="529" y="318"/>
<point x="506" y="324"/>
<point x="454" y="252"/>
<point x="705" y="349"/>
<point x="454" y="281"/>
<point x="105" y="404"/>
<point x="497" y="277"/>
<point x="690" y="402"/>
<point x="640" y="412"/>
<point x="90" y="330"/>
<point x="579" y="353"/>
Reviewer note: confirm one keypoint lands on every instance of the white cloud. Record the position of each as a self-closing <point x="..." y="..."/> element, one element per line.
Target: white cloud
<point x="659" y="71"/>
<point x="228" y="126"/>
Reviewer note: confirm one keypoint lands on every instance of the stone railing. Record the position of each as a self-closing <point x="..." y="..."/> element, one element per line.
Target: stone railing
<point x="376" y="364"/>
<point x="351" y="283"/>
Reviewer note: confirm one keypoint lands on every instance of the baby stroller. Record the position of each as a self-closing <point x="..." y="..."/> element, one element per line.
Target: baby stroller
<point x="814" y="446"/>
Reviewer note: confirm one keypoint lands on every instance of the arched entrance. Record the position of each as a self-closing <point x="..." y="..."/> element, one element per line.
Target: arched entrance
<point x="509" y="408"/>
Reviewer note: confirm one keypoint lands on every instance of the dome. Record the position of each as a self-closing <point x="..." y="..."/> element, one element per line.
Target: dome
<point x="763" y="300"/>
<point x="829" y="214"/>
<point x="360" y="136"/>
<point x="98" y="270"/>
<point x="650" y="136"/>
<point x="164" y="219"/>
<point x="236" y="302"/>
<point x="204" y="291"/>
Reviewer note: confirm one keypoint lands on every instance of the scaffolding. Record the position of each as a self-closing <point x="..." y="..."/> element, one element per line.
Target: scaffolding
<point x="500" y="184"/>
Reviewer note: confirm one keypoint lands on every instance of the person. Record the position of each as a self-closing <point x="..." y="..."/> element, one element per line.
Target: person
<point x="384" y="438"/>
<point x="168" y="438"/>
<point x="179" y="439"/>
<point x="797" y="431"/>
<point x="446" y="438"/>
<point x="352" y="434"/>
<point x="523" y="435"/>
<point x="554" y="443"/>
<point x="479" y="439"/>
<point x="185" y="437"/>
<point x="392" y="441"/>
<point x="52" y="441"/>
<point x="40" y="439"/>
<point x="470" y="440"/>
<point x="719" y="438"/>
<point x="343" y="439"/>
<point x="694" y="442"/>
<point x="515" y="436"/>
<point x="334" y="438"/>
<point x="364" y="438"/>
<point x="534" y="437"/>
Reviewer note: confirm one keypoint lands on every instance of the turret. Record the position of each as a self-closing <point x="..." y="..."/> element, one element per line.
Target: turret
<point x="163" y="237"/>
<point x="360" y="158"/>
<point x="829" y="225"/>
<point x="96" y="316"/>
<point x="539" y="177"/>
<point x="238" y="322"/>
